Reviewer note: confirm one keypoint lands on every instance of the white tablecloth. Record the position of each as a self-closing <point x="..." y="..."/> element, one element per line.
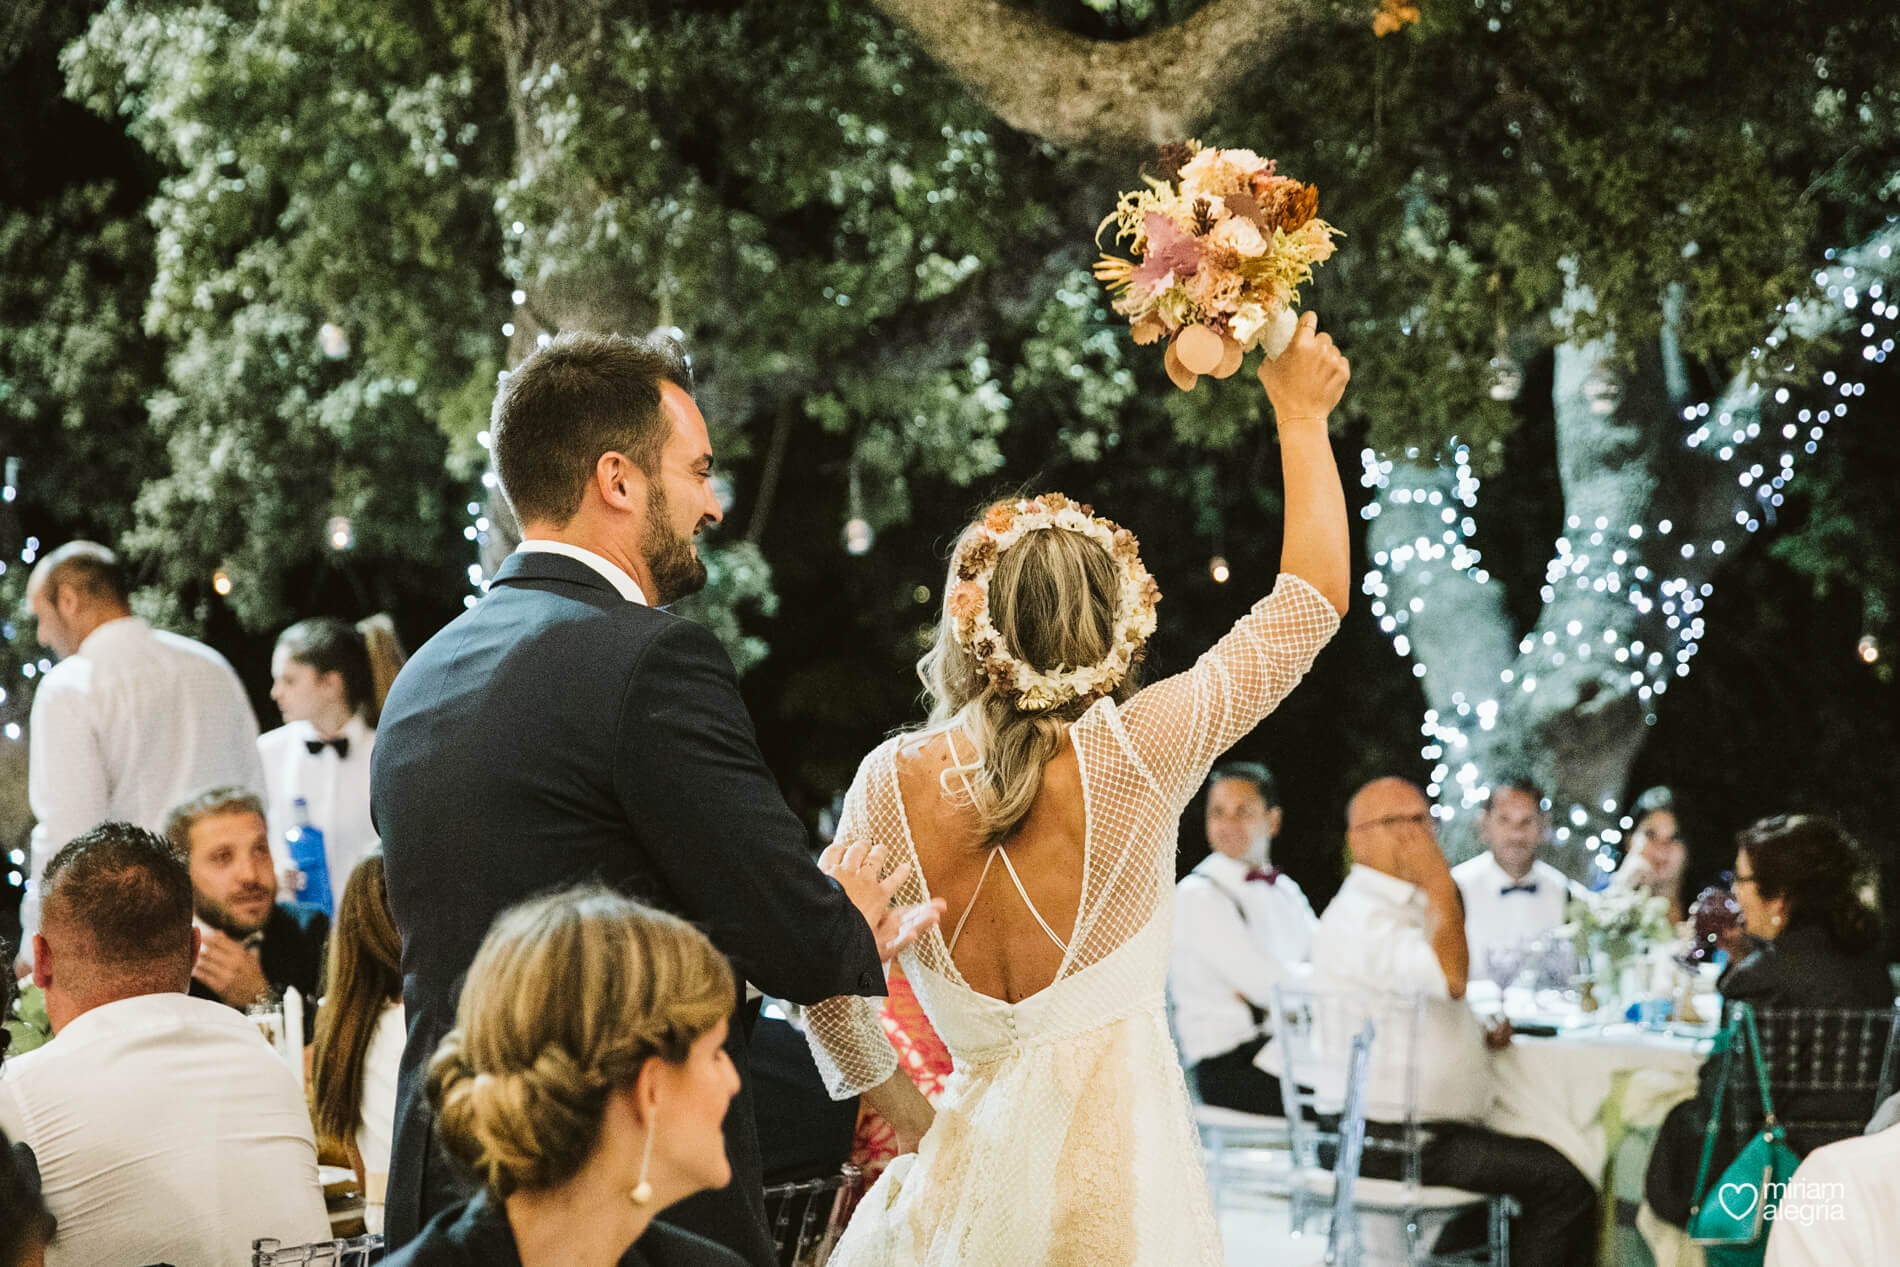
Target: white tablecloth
<point x="1555" y="1089"/>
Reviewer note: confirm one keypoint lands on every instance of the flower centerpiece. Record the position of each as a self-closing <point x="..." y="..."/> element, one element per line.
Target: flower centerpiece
<point x="1222" y="244"/>
<point x="1621" y="924"/>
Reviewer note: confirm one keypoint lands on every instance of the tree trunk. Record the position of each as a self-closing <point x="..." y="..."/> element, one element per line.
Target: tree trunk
<point x="1656" y="488"/>
<point x="1102" y="95"/>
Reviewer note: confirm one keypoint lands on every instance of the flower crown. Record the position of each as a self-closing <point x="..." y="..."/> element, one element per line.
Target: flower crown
<point x="1030" y="690"/>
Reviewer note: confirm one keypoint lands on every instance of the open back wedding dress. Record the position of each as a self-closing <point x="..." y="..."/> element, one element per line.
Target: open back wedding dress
<point x="1064" y="1134"/>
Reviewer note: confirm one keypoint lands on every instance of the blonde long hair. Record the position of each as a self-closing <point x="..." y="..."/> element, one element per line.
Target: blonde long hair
<point x="568" y="998"/>
<point x="1052" y="598"/>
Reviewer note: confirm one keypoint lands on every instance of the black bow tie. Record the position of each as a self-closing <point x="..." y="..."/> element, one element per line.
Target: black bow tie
<point x="1530" y="887"/>
<point x="340" y="743"/>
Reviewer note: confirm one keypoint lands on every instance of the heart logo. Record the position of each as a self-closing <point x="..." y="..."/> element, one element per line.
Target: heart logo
<point x="1744" y="1195"/>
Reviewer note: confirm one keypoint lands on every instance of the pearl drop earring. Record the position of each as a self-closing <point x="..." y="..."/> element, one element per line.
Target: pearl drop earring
<point x="643" y="1191"/>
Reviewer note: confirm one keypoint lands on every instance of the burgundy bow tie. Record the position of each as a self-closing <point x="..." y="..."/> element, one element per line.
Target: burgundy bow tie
<point x="1271" y="874"/>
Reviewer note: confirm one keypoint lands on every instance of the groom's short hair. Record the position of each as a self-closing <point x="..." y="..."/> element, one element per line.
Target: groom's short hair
<point x="582" y="395"/>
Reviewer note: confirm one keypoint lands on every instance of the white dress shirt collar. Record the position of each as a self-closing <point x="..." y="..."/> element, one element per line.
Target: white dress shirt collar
<point x="1230" y="872"/>
<point x="627" y="587"/>
<point x="111" y="631"/>
<point x="1378" y="884"/>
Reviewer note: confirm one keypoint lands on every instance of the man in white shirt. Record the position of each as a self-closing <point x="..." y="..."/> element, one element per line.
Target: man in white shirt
<point x="165" y="1128"/>
<point x="1240" y="925"/>
<point x="131" y="721"/>
<point x="1396" y="927"/>
<point x="1510" y="895"/>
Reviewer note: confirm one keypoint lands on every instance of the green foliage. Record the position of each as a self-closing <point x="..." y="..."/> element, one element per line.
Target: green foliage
<point x="314" y="160"/>
<point x="851" y="243"/>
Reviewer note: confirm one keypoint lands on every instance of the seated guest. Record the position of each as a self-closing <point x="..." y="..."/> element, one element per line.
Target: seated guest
<point x="25" y="1223"/>
<point x="1510" y="895"/>
<point x="1798" y="879"/>
<point x="252" y="947"/>
<point x="165" y="1128"/>
<point x="1844" y="1206"/>
<point x="360" y="1034"/>
<point x="1396" y="926"/>
<point x="1658" y="858"/>
<point x="1239" y="924"/>
<point x="584" y="1084"/>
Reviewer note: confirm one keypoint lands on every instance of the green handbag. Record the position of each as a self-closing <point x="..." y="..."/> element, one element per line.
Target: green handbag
<point x="1730" y="1217"/>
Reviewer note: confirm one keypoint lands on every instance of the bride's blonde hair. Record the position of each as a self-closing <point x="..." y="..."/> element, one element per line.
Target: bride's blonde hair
<point x="1052" y="598"/>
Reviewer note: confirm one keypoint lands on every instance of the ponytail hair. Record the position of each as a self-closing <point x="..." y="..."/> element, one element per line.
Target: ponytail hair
<point x="386" y="658"/>
<point x="367" y="657"/>
<point x="1821" y="872"/>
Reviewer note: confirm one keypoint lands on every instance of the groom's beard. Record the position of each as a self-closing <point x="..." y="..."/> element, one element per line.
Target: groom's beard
<point x="669" y="557"/>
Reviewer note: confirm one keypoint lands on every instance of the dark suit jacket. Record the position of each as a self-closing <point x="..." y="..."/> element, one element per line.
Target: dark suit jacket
<point x="556" y="733"/>
<point x="292" y="954"/>
<point x="1801" y="968"/>
<point x="476" y="1234"/>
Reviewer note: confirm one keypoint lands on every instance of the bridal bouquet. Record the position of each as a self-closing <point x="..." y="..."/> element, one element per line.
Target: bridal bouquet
<point x="1222" y="244"/>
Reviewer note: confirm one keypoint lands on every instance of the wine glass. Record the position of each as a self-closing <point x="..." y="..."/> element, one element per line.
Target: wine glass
<point x="1501" y="965"/>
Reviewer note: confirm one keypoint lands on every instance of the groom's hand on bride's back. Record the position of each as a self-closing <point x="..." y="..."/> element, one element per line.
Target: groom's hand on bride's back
<point x="860" y="871"/>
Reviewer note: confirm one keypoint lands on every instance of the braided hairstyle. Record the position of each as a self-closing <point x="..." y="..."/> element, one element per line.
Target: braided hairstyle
<point x="568" y="998"/>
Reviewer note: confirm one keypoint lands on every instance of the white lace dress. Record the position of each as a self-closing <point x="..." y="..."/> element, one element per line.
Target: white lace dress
<point x="1064" y="1133"/>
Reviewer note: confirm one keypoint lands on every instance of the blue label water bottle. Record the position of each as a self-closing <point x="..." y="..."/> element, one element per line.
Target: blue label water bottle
<point x="305" y="843"/>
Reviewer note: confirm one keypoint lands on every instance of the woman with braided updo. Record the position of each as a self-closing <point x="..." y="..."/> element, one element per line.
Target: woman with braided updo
<point x="584" y="1085"/>
<point x="1041" y="801"/>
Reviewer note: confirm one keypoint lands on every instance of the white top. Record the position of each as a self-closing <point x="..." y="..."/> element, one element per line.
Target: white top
<point x="628" y="587"/>
<point x="1234" y="940"/>
<point x="337" y="789"/>
<point x="167" y="1131"/>
<point x="133" y="723"/>
<point x="1064" y="1134"/>
<point x="380" y="1063"/>
<point x="1495" y="918"/>
<point x="1842" y="1206"/>
<point x="1372" y="940"/>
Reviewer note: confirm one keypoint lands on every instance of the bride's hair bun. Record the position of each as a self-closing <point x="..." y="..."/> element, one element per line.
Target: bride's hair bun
<point x="567" y="999"/>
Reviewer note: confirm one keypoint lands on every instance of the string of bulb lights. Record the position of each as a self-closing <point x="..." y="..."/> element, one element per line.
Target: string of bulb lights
<point x="1652" y="566"/>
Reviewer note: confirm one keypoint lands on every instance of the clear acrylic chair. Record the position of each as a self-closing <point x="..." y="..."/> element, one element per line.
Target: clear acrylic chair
<point x="1828" y="1069"/>
<point x="268" y="1251"/>
<point x="1244" y="1152"/>
<point x="806" y="1218"/>
<point x="1342" y="1237"/>
<point x="1313" y="1043"/>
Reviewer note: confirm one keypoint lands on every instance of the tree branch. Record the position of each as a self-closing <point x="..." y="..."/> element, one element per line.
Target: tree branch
<point x="1097" y="94"/>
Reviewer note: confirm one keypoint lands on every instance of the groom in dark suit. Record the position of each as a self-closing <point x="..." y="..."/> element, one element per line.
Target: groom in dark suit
<point x="568" y="728"/>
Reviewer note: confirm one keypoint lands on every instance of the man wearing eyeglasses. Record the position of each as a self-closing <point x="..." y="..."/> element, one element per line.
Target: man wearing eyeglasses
<point x="1397" y="927"/>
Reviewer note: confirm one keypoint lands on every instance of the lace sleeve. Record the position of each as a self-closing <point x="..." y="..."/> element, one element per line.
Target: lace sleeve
<point x="848" y="1042"/>
<point x="1179" y="725"/>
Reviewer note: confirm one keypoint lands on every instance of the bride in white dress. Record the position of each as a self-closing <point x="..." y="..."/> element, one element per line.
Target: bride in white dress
<point x="1040" y="805"/>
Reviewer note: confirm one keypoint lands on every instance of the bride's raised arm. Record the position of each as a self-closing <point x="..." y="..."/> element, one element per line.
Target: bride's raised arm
<point x="1180" y="725"/>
